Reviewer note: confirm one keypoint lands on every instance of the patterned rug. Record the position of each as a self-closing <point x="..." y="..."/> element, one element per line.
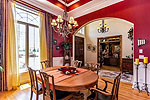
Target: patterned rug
<point x="125" y="77"/>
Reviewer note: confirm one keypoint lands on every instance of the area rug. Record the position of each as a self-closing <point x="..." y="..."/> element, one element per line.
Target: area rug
<point x="125" y="77"/>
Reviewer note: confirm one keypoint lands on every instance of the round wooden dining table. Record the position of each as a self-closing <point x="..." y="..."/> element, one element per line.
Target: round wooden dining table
<point x="76" y="83"/>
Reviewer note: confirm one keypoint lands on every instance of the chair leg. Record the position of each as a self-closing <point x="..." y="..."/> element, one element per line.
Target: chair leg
<point x="37" y="96"/>
<point x="31" y="95"/>
<point x="43" y="97"/>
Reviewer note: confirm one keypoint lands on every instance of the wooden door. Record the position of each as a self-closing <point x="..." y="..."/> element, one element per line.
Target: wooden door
<point x="79" y="49"/>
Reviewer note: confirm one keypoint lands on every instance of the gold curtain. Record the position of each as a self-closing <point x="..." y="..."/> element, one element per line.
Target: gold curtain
<point x="43" y="43"/>
<point x="12" y="55"/>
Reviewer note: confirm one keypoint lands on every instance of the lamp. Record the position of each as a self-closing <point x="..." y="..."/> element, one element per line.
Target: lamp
<point x="103" y="27"/>
<point x="63" y="26"/>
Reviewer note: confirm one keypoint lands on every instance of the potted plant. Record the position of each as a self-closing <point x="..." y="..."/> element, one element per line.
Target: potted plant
<point x="66" y="45"/>
<point x="1" y="69"/>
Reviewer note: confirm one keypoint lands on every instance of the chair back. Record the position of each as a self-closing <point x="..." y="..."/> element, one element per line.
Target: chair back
<point x="115" y="88"/>
<point x="33" y="78"/>
<point x="45" y="64"/>
<point x="77" y="63"/>
<point x="45" y="78"/>
<point x="93" y="67"/>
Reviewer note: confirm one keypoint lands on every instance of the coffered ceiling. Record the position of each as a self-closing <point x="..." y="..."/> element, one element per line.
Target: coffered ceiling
<point x="70" y="4"/>
<point x="75" y="8"/>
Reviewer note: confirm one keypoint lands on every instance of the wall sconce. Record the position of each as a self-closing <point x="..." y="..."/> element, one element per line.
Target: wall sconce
<point x="141" y="42"/>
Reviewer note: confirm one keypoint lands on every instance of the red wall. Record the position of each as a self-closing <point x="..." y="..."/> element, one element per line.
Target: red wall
<point x="56" y="36"/>
<point x="135" y="11"/>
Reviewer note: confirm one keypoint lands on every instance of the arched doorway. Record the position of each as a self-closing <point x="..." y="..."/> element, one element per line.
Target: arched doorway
<point x="118" y="27"/>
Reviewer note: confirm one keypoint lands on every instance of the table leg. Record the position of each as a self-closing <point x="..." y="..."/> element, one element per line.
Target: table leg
<point x="78" y="96"/>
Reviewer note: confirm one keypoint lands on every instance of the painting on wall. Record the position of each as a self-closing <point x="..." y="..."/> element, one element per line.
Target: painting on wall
<point x="55" y="42"/>
<point x="93" y="48"/>
<point x="89" y="46"/>
<point x="116" y="48"/>
<point x="57" y="47"/>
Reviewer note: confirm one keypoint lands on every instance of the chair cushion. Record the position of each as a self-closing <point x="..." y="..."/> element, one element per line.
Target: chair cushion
<point x="60" y="94"/>
<point x="39" y="87"/>
<point x="100" y="96"/>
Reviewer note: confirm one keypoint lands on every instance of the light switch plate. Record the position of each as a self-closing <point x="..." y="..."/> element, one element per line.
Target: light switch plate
<point x="140" y="50"/>
<point x="141" y="56"/>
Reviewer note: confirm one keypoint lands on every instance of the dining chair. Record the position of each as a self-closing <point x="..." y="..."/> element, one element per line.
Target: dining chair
<point x="77" y="63"/>
<point x="45" y="64"/>
<point x="35" y="86"/>
<point x="49" y="91"/>
<point x="93" y="67"/>
<point x="102" y="94"/>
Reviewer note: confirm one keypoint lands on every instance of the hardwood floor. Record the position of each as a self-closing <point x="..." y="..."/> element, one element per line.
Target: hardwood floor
<point x="111" y="68"/>
<point x="125" y="92"/>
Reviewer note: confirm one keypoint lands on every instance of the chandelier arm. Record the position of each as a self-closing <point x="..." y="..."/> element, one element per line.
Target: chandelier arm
<point x="71" y="31"/>
<point x="57" y="31"/>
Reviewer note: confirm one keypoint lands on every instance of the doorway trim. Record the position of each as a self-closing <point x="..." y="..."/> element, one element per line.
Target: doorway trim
<point x="119" y="45"/>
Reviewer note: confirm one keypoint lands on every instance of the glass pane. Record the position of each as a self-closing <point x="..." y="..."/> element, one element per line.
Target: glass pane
<point x="21" y="31"/>
<point x="81" y="31"/>
<point x="21" y="15"/>
<point x="27" y="16"/>
<point x="34" y="47"/>
<point x="33" y="19"/>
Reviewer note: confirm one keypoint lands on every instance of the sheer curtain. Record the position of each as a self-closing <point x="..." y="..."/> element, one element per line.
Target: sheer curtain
<point x="12" y="53"/>
<point x="43" y="43"/>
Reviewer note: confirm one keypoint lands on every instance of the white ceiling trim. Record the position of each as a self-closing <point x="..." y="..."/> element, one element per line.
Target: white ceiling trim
<point x="46" y="6"/>
<point x="78" y="12"/>
<point x="71" y="3"/>
<point x="91" y="7"/>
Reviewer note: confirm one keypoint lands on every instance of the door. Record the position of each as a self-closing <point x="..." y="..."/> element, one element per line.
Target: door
<point x="28" y="42"/>
<point x="79" y="49"/>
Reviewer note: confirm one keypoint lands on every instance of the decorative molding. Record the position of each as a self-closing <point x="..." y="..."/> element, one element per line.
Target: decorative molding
<point x="46" y="6"/>
<point x="69" y="4"/>
<point x="91" y="6"/>
<point x="58" y="61"/>
<point x="78" y="12"/>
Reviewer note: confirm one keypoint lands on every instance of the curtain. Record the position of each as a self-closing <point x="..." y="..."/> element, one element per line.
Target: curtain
<point x="12" y="54"/>
<point x="43" y="42"/>
<point x="49" y="37"/>
<point x="3" y="15"/>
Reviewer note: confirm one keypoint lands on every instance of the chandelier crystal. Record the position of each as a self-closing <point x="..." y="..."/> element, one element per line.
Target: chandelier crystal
<point x="103" y="27"/>
<point x="63" y="26"/>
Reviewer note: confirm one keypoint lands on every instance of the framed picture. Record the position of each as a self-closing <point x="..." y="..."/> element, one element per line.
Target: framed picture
<point x="57" y="47"/>
<point x="89" y="46"/>
<point x="93" y="48"/>
<point x="55" y="42"/>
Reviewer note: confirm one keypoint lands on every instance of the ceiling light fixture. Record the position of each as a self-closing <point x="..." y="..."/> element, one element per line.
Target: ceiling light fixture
<point x="103" y="27"/>
<point x="63" y="26"/>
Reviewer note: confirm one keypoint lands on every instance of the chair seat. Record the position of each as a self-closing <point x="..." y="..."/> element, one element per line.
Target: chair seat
<point x="39" y="87"/>
<point x="100" y="96"/>
<point x="60" y="94"/>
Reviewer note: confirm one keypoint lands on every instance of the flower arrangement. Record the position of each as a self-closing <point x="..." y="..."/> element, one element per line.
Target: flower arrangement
<point x="1" y="69"/>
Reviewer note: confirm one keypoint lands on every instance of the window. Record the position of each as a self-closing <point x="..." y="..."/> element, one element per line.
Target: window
<point x="81" y="31"/>
<point x="28" y="38"/>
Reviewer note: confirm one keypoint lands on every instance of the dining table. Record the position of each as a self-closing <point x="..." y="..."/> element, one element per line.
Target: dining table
<point x="81" y="80"/>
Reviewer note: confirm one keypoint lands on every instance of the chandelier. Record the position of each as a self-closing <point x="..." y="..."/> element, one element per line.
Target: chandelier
<point x="103" y="27"/>
<point x="62" y="26"/>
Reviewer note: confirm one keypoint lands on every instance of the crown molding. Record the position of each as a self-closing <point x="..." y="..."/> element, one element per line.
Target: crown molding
<point x="78" y="12"/>
<point x="46" y="6"/>
<point x="91" y="6"/>
<point x="69" y="4"/>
